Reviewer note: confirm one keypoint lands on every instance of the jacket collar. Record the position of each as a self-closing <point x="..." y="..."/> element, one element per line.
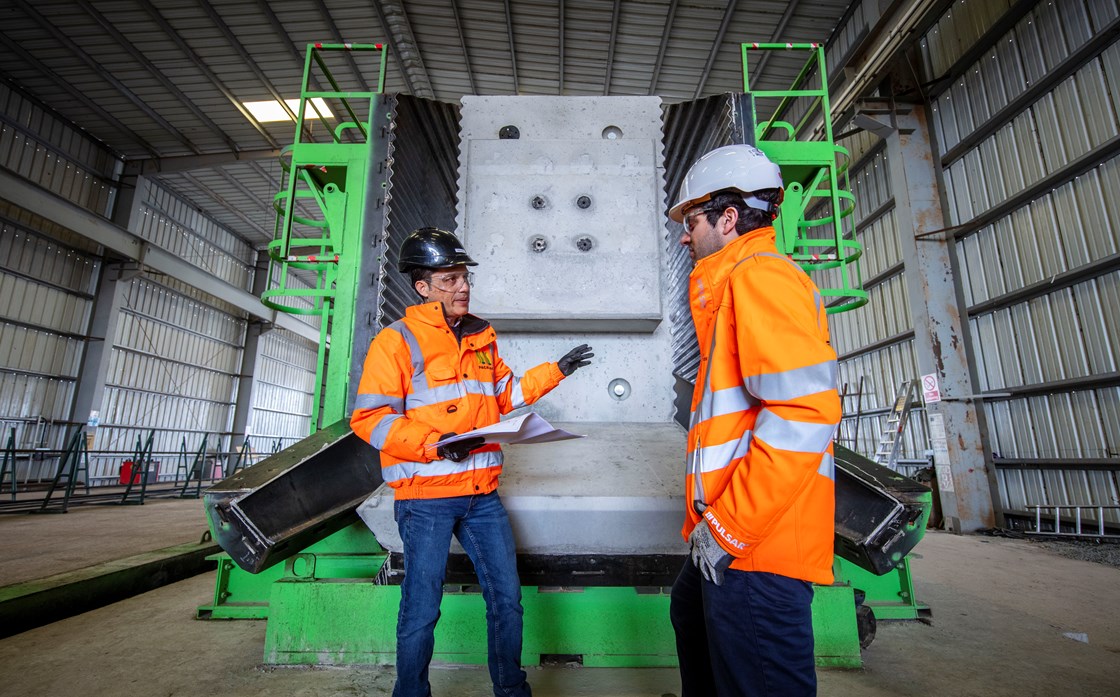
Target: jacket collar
<point x="714" y="269"/>
<point x="432" y="315"/>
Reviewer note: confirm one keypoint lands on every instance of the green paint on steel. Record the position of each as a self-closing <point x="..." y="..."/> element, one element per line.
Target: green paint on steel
<point x="818" y="202"/>
<point x="890" y="596"/>
<point x="354" y="622"/>
<point x="330" y="180"/>
<point x="350" y="553"/>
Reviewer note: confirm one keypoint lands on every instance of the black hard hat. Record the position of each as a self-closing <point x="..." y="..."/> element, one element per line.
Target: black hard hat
<point x="432" y="248"/>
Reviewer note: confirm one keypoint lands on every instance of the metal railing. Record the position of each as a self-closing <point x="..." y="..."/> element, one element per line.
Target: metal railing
<point x="1077" y="521"/>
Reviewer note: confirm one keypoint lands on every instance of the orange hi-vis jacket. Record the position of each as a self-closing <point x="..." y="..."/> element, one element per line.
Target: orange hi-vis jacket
<point x="420" y="382"/>
<point x="764" y="411"/>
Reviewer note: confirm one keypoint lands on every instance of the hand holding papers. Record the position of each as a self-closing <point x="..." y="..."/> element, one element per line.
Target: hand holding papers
<point x="525" y="429"/>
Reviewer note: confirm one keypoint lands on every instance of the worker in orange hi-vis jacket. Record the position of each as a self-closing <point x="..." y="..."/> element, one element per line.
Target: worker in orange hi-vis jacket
<point x="431" y="375"/>
<point x="759" y="482"/>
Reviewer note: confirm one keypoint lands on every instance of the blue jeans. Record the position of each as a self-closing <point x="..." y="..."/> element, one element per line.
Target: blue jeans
<point x="482" y="527"/>
<point x="752" y="636"/>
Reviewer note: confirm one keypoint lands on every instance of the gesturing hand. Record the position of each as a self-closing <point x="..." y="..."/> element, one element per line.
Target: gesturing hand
<point x="459" y="450"/>
<point x="576" y="358"/>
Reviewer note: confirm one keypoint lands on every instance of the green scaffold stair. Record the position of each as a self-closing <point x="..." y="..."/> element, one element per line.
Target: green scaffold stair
<point x="818" y="200"/>
<point x="316" y="247"/>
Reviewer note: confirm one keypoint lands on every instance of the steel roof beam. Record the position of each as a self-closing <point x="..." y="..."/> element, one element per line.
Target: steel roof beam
<point x="329" y="19"/>
<point x="106" y="75"/>
<point x="512" y="48"/>
<point x="185" y="163"/>
<point x="140" y="58"/>
<point x="171" y="32"/>
<point x="610" y="48"/>
<point x="77" y="94"/>
<point x="661" y="48"/>
<point x="728" y="12"/>
<point x="235" y="44"/>
<point x="776" y="36"/>
<point x="890" y="36"/>
<point x="115" y="239"/>
<point x="463" y="44"/>
<point x="560" y="46"/>
<point x="228" y="206"/>
<point x="398" y="31"/>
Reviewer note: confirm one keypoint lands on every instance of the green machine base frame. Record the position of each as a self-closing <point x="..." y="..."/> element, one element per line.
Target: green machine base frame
<point x="346" y="622"/>
<point x="324" y="607"/>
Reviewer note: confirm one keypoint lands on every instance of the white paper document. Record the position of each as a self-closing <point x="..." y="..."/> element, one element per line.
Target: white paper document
<point x="525" y="429"/>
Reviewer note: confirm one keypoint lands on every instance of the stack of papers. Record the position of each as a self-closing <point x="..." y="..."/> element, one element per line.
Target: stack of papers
<point x="526" y="429"/>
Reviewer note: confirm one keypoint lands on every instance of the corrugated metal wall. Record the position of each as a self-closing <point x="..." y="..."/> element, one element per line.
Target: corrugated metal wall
<point x="875" y="343"/>
<point x="43" y="149"/>
<point x="284" y="388"/>
<point x="47" y="277"/>
<point x="423" y="189"/>
<point x="691" y="129"/>
<point x="45" y="305"/>
<point x="177" y="351"/>
<point x="174" y="224"/>
<point x="1028" y="135"/>
<point x="173" y="370"/>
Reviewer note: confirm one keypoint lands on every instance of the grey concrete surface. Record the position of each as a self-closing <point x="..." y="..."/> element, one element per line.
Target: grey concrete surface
<point x="1002" y="609"/>
<point x="34" y="546"/>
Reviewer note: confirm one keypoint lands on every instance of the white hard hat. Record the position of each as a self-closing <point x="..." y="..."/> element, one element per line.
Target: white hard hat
<point x="741" y="167"/>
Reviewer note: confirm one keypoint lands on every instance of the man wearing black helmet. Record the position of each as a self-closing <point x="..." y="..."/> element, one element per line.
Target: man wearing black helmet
<point x="428" y="376"/>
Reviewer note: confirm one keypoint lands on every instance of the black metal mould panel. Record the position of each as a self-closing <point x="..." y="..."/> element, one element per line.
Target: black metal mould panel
<point x="268" y="512"/>
<point x="880" y="514"/>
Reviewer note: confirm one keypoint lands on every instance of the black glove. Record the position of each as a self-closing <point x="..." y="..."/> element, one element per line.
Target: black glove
<point x="576" y="358"/>
<point x="459" y="450"/>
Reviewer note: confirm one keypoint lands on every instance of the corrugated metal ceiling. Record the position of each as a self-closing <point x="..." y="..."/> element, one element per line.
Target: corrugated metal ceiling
<point x="164" y="78"/>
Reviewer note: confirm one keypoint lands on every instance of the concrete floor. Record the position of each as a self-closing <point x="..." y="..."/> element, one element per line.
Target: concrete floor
<point x="1001" y="610"/>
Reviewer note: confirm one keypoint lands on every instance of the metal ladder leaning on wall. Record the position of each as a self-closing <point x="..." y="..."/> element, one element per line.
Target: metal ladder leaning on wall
<point x="891" y="438"/>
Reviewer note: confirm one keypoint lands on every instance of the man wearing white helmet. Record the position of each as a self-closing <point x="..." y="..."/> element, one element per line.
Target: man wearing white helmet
<point x="759" y="478"/>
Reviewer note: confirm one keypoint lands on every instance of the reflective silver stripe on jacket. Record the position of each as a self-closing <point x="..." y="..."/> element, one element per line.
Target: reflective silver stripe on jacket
<point x="380" y="432"/>
<point x="712" y="458"/>
<point x="437" y="468"/>
<point x="795" y="436"/>
<point x="828" y="467"/>
<point x="729" y="400"/>
<point x="377" y="401"/>
<point x="794" y="383"/>
<point x="428" y="396"/>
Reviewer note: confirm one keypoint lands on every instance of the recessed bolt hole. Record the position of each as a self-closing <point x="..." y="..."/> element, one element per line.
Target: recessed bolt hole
<point x="538" y="202"/>
<point x="584" y="244"/>
<point x="509" y="133"/>
<point x="538" y="244"/>
<point x="618" y="389"/>
<point x="583" y="202"/>
<point x="612" y="133"/>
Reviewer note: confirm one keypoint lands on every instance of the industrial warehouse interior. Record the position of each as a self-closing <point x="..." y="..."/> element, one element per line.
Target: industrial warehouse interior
<point x="203" y="205"/>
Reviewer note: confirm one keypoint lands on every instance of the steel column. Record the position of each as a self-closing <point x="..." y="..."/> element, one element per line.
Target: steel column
<point x="250" y="355"/>
<point x="962" y="457"/>
<point x="98" y="349"/>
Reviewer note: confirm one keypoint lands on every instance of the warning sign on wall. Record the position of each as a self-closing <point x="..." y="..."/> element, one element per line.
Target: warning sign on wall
<point x="931" y="391"/>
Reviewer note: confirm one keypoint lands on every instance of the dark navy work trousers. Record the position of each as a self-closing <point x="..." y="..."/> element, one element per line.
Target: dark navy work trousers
<point x="751" y="636"/>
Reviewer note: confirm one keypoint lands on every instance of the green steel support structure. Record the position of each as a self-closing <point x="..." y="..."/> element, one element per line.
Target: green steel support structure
<point x="316" y="254"/>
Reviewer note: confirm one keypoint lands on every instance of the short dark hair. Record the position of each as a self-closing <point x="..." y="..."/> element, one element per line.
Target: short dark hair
<point x="749" y="218"/>
<point x="420" y="273"/>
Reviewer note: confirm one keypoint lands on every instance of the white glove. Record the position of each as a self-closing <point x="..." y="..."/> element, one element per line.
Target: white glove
<point x="707" y="555"/>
